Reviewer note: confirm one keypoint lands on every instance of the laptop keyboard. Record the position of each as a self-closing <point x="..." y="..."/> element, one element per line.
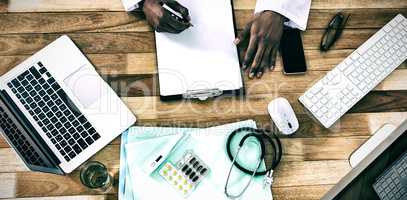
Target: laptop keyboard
<point x="52" y="109"/>
<point x="392" y="184"/>
<point x="19" y="141"/>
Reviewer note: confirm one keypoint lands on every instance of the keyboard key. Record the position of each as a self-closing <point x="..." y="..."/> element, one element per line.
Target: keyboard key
<point x="33" y="105"/>
<point x="55" y="86"/>
<point x="20" y="89"/>
<point x="63" y="143"/>
<point x="58" y="125"/>
<point x="77" y="148"/>
<point x="15" y="83"/>
<point x="82" y="144"/>
<point x="49" y="91"/>
<point x="82" y="119"/>
<point x="46" y="98"/>
<point x="72" y="154"/>
<point x="33" y="93"/>
<point x="87" y="125"/>
<point x="24" y="94"/>
<point x="42" y="93"/>
<point x="75" y="123"/>
<point x="63" y="119"/>
<point x="43" y="70"/>
<point x="37" y="98"/>
<point x="34" y="72"/>
<point x="59" y="138"/>
<point x="71" y="117"/>
<point x="67" y="158"/>
<point x="59" y="114"/>
<point x="50" y="114"/>
<point x="76" y="136"/>
<point x="71" y="141"/>
<point x="54" y="108"/>
<point x="41" y="103"/>
<point x="89" y="140"/>
<point x="22" y="76"/>
<point x="54" y="120"/>
<point x="71" y="130"/>
<point x="84" y="134"/>
<point x="95" y="136"/>
<point x="66" y="136"/>
<point x="91" y="131"/>
<point x="46" y="121"/>
<point x="62" y="107"/>
<point x="67" y="149"/>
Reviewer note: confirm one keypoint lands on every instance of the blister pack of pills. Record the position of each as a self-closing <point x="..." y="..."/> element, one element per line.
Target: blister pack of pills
<point x="189" y="171"/>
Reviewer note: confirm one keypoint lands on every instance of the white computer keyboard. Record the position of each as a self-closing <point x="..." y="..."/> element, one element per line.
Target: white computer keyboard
<point x="333" y="95"/>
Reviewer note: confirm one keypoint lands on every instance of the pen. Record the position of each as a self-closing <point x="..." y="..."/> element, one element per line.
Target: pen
<point x="175" y="13"/>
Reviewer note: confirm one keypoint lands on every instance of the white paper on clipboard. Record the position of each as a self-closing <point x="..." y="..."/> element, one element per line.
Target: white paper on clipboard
<point x="203" y="56"/>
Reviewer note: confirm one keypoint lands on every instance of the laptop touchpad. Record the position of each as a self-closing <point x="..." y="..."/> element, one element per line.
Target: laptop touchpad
<point x="87" y="86"/>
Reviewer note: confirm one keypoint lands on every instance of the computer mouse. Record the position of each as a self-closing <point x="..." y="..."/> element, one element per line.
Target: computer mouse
<point x="283" y="116"/>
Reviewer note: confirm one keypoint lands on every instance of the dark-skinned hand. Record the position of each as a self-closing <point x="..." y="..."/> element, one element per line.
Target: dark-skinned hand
<point x="260" y="41"/>
<point x="163" y="20"/>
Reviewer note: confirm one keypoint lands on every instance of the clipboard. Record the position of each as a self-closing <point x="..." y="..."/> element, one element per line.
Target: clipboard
<point x="202" y="62"/>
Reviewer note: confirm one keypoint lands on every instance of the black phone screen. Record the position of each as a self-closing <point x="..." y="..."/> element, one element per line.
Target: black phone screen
<point x="292" y="52"/>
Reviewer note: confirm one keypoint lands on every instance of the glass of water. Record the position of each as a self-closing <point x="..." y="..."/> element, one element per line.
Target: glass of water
<point x="95" y="175"/>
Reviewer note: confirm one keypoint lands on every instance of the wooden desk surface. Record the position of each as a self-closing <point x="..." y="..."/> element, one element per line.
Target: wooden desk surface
<point x="122" y="49"/>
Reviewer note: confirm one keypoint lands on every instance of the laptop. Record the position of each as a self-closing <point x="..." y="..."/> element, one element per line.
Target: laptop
<point x="381" y="174"/>
<point x="56" y="111"/>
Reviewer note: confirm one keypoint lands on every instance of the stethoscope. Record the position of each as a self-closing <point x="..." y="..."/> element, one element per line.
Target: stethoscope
<point x="260" y="136"/>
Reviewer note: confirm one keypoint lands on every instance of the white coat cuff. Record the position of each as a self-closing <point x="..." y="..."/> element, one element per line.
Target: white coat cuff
<point x="130" y="5"/>
<point x="297" y="17"/>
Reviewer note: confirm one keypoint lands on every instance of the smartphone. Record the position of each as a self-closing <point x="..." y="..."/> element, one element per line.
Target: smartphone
<point x="292" y="52"/>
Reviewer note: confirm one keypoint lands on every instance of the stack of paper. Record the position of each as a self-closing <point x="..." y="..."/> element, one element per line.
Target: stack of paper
<point x="203" y="56"/>
<point x="208" y="144"/>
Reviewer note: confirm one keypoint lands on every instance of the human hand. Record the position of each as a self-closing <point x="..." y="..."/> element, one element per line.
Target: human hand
<point x="260" y="40"/>
<point x="163" y="20"/>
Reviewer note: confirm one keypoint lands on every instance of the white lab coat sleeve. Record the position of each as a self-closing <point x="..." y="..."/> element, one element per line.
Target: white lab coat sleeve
<point x="296" y="11"/>
<point x="130" y="5"/>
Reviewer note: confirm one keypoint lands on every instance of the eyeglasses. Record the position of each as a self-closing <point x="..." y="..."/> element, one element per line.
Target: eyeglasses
<point x="333" y="31"/>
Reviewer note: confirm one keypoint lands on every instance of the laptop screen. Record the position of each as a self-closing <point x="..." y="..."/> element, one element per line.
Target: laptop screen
<point x="362" y="186"/>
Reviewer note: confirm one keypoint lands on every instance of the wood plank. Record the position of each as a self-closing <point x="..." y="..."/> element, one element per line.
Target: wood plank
<point x="385" y="99"/>
<point x="225" y="107"/>
<point x="11" y="163"/>
<point x="76" y="197"/>
<point x="72" y="22"/>
<point x="319" y="18"/>
<point x="22" y="44"/>
<point x="353" y="125"/>
<point x="271" y="82"/>
<point x="32" y="184"/>
<point x="3" y="5"/>
<point x="314" y="192"/>
<point x="143" y="42"/>
<point x="335" y="4"/>
<point x="115" y="5"/>
<point x="145" y="63"/>
<point x="295" y="149"/>
<point x="26" y="184"/>
<point x="60" y="5"/>
<point x="109" y="64"/>
<point x="124" y="22"/>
